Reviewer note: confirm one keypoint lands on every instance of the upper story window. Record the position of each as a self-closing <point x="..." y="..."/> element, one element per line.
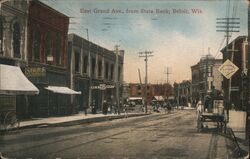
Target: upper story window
<point x="16" y="40"/>
<point x="106" y="70"/>
<point x="36" y="45"/>
<point x="93" y="66"/>
<point x="58" y="46"/>
<point x="48" y="45"/>
<point x="85" y="64"/>
<point x="100" y="68"/>
<point x="77" y="62"/>
<point x="1" y="35"/>
<point x="112" y="72"/>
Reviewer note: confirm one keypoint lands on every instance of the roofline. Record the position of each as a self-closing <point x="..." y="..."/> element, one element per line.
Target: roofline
<point x="50" y="8"/>
<point x="235" y="40"/>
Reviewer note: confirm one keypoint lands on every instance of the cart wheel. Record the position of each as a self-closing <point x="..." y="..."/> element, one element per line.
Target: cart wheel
<point x="10" y="121"/>
<point x="199" y="125"/>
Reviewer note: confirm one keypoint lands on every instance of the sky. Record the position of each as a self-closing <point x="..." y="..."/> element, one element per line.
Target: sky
<point x="177" y="36"/>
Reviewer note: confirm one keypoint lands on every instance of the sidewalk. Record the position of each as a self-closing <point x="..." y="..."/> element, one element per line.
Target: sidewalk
<point x="72" y="120"/>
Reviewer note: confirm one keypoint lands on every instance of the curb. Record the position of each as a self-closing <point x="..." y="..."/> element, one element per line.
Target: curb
<point x="80" y="121"/>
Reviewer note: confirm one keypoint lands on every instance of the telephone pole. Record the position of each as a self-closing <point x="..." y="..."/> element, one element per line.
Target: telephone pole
<point x="227" y="25"/>
<point x="146" y="55"/>
<point x="89" y="71"/>
<point x="117" y="83"/>
<point x="167" y="72"/>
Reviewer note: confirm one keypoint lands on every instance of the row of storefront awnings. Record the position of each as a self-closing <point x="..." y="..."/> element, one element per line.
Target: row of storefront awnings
<point x="14" y="82"/>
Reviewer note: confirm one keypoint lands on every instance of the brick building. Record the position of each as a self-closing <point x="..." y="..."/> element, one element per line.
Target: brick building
<point x="205" y="76"/>
<point x="239" y="79"/>
<point x="47" y="59"/>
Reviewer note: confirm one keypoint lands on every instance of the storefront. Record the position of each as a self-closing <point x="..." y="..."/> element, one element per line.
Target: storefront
<point x="15" y="87"/>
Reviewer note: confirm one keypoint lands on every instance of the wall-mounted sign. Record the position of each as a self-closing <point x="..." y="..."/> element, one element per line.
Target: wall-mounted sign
<point x="102" y="86"/>
<point x="35" y="71"/>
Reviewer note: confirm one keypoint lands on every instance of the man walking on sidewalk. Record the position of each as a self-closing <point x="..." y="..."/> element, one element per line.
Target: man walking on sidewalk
<point x="125" y="110"/>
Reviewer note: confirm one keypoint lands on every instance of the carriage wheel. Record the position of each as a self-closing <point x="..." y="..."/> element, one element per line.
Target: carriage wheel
<point x="10" y="121"/>
<point x="199" y="124"/>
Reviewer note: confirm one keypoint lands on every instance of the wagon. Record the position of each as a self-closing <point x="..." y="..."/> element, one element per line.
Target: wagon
<point x="216" y="115"/>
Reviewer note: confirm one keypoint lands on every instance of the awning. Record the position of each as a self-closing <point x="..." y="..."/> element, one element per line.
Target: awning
<point x="159" y="98"/>
<point x="61" y="90"/>
<point x="135" y="98"/>
<point x="14" y="82"/>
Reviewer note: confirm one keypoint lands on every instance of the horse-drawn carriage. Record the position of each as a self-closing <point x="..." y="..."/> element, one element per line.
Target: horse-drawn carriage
<point x="215" y="114"/>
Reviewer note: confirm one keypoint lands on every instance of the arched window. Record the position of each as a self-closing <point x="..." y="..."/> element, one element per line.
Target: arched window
<point x="36" y="45"/>
<point x="16" y="40"/>
<point x="1" y="35"/>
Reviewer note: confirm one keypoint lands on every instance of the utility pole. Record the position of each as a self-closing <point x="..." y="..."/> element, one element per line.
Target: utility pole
<point x="89" y="70"/>
<point x="146" y="55"/>
<point x="248" y="85"/>
<point x="227" y="25"/>
<point x="167" y="72"/>
<point x="117" y="83"/>
<point x="142" y="93"/>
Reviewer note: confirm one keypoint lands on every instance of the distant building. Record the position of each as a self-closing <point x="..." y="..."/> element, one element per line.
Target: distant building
<point x="205" y="76"/>
<point x="239" y="79"/>
<point x="184" y="91"/>
<point x="138" y="90"/>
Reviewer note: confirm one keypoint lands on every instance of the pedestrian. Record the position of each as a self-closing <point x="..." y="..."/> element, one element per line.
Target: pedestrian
<point x="105" y="107"/>
<point x="199" y="108"/>
<point x="125" y="110"/>
<point x="169" y="107"/>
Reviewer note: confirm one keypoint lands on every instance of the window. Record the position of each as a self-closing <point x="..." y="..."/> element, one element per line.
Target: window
<point x="138" y="87"/>
<point x="100" y="68"/>
<point x="112" y="72"/>
<point x="139" y="93"/>
<point x="58" y="50"/>
<point x="36" y="45"/>
<point x="93" y="66"/>
<point x="16" y="40"/>
<point x="85" y="64"/>
<point x="77" y="62"/>
<point x="1" y="35"/>
<point x="47" y="45"/>
<point x="106" y="70"/>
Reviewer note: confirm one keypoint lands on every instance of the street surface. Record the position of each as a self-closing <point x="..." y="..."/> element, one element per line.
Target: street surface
<point x="155" y="136"/>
